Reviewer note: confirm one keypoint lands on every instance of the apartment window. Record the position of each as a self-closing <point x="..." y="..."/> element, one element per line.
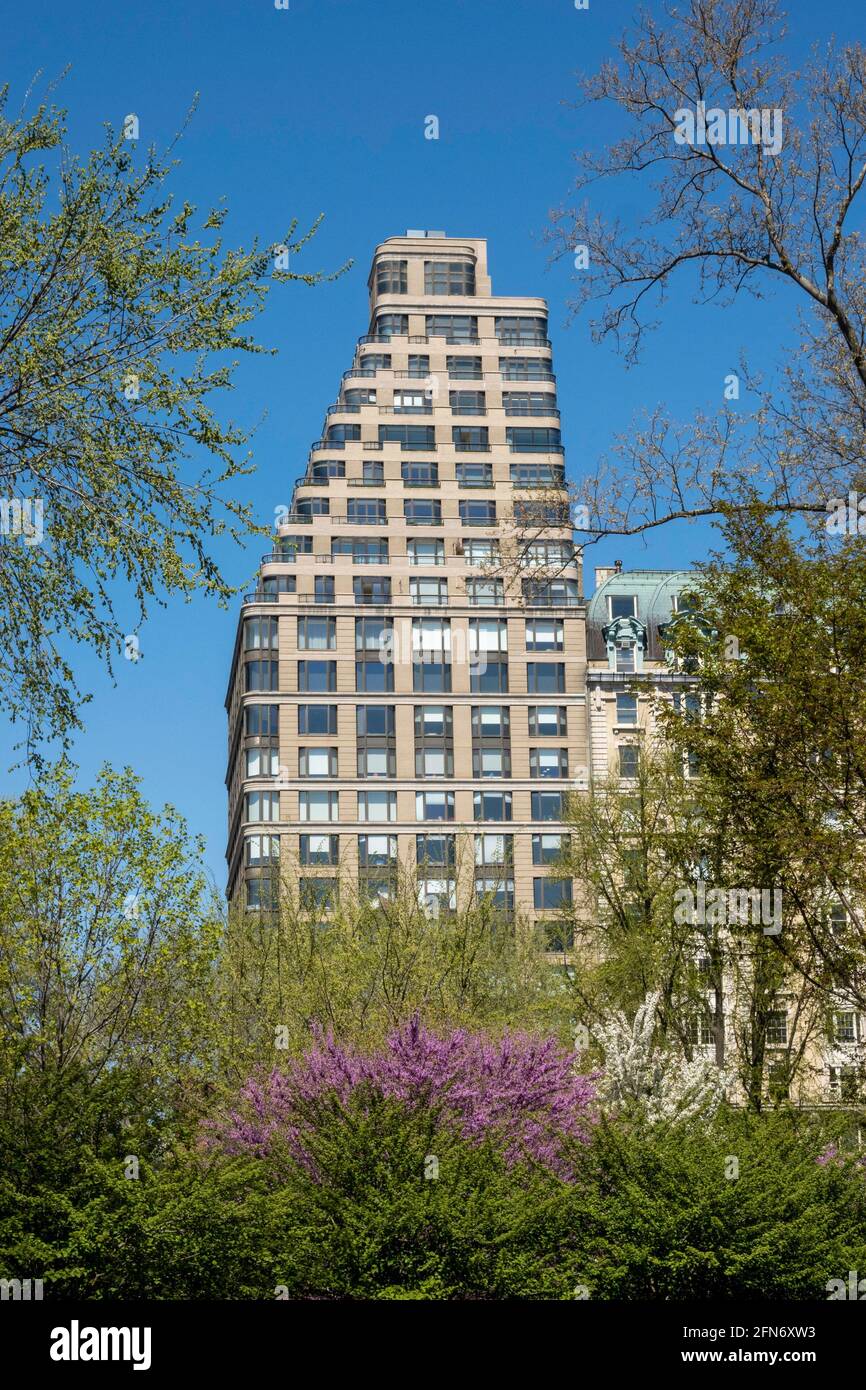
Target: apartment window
<point x="377" y="851"/>
<point x="528" y="403"/>
<point x="846" y="1083"/>
<point x="481" y="552"/>
<point x="376" y="741"/>
<point x="629" y="760"/>
<point x="262" y="761"/>
<point x="546" y="849"/>
<point x="498" y="888"/>
<point x="366" y="511"/>
<point x="426" y="552"/>
<point x="488" y="674"/>
<point x="485" y="593"/>
<point x="548" y="762"/>
<point x="317" y="719"/>
<point x="548" y="894"/>
<point x="289" y="547"/>
<point x="547" y="806"/>
<point x="624" y="655"/>
<point x="437" y="894"/>
<point x="262" y="892"/>
<point x="260" y="634"/>
<point x="434" y="805"/>
<point x="467" y="402"/>
<point x="536" y="439"/>
<point x="487" y="635"/>
<point x="318" y="806"/>
<point x="317" y="894"/>
<point x="323" y="588"/>
<point x="626" y="709"/>
<point x="373" y="675"/>
<point x="547" y="721"/>
<point x="372" y="590"/>
<point x="412" y="402"/>
<point x="317" y="634"/>
<point x="391" y="277"/>
<point x="555" y="593"/>
<point x="541" y="514"/>
<point x="261" y="849"/>
<point x="700" y="1028"/>
<point x="520" y="329"/>
<point x="622" y="606"/>
<point x="494" y="851"/>
<point x="545" y="677"/>
<point x="408" y="436"/>
<point x="319" y="849"/>
<point x="474" y="474"/>
<point x="312" y="506"/>
<point x="317" y="762"/>
<point x="339" y="434"/>
<point x="556" y="935"/>
<point x="323" y="469"/>
<point x="388" y="325"/>
<point x="261" y="806"/>
<point x="420" y="474"/>
<point x="434" y="851"/>
<point x="455" y="328"/>
<point x="777" y="1028"/>
<point x="449" y="277"/>
<point x="525" y="369"/>
<point x="356" y="397"/>
<point x="377" y="806"/>
<point x="431" y="648"/>
<point x="373" y="362"/>
<point x="434" y="741"/>
<point x="544" y="635"/>
<point x="361" y="550"/>
<point x="317" y="676"/>
<point x="431" y="592"/>
<point x="261" y="676"/>
<point x="492" y="806"/>
<point x="464" y="368"/>
<point x="470" y="438"/>
<point x="845" y="1029"/>
<point x="477" y="513"/>
<point x="537" y="475"/>
<point x="372" y="472"/>
<point x="422" y="512"/>
<point x="488" y="659"/>
<point x="279" y="584"/>
<point x="491" y="741"/>
<point x="419" y="364"/>
<point x="552" y="554"/>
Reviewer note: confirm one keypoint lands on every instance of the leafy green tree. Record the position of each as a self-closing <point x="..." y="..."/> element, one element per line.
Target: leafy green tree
<point x="108" y="934"/>
<point x="121" y="314"/>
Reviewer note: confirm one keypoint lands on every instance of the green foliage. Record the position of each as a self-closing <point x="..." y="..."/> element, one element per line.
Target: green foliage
<point x="121" y="316"/>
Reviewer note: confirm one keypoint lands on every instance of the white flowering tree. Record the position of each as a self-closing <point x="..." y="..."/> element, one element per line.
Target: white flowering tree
<point x="639" y="1072"/>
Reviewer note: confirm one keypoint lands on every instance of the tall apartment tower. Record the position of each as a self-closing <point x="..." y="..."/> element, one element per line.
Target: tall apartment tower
<point x="408" y="682"/>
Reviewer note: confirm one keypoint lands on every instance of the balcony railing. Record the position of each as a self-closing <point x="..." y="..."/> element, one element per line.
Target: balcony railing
<point x="405" y="410"/>
<point x="359" y="371"/>
<point x="321" y="444"/>
<point x="375" y="338"/>
<point x="527" y="376"/>
<point x="531" y="410"/>
<point x="372" y="444"/>
<point x="536" y="448"/>
<point x="259" y="596"/>
<point x="283" y="557"/>
<point x="344" y="408"/>
<point x="468" y="410"/>
<point x="414" y="374"/>
<point x="523" y="340"/>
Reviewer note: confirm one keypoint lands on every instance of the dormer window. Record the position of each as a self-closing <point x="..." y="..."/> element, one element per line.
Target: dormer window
<point x="622" y="606"/>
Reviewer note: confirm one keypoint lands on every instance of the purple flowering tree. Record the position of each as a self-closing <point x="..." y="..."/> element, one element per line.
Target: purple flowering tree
<point x="523" y="1092"/>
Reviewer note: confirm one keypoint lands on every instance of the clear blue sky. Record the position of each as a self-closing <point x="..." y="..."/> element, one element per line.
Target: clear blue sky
<point x="321" y="109"/>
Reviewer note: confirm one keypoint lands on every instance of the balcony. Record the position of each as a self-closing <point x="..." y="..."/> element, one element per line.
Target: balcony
<point x="321" y="444"/>
<point x="301" y="518"/>
<point x="259" y="596"/>
<point x="405" y="410"/>
<point x="359" y="371"/>
<point x="524" y="340"/>
<point x="281" y="557"/>
<point x="375" y="338"/>
<point x="343" y="408"/>
<point x="468" y="410"/>
<point x="414" y="374"/>
<point x="536" y="448"/>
